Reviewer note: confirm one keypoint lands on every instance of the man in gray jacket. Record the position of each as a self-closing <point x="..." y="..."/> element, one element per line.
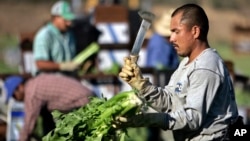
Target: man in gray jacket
<point x="198" y="104"/>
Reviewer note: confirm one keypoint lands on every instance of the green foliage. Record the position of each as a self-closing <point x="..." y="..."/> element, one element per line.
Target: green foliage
<point x="6" y="69"/>
<point x="114" y="69"/>
<point x="93" y="122"/>
<point x="87" y="52"/>
<point x="242" y="97"/>
<point x="7" y="41"/>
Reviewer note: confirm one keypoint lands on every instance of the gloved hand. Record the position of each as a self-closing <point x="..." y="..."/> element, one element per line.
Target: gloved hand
<point x="143" y="120"/>
<point x="131" y="73"/>
<point x="68" y="66"/>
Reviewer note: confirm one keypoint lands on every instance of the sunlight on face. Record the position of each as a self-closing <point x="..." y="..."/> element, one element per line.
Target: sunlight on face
<point x="181" y="36"/>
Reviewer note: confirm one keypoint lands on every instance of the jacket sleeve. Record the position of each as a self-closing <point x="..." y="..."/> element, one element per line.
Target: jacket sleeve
<point x="187" y="109"/>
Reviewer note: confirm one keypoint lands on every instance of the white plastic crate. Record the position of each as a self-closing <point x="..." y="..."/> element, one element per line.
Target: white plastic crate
<point x="15" y="120"/>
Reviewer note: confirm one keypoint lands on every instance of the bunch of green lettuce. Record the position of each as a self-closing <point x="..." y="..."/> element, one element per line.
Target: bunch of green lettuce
<point x="93" y="122"/>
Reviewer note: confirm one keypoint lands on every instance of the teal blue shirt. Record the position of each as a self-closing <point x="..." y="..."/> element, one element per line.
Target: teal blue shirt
<point x="51" y="45"/>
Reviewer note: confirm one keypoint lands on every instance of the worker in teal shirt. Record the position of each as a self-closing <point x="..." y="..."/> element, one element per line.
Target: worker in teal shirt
<point x="54" y="45"/>
<point x="54" y="48"/>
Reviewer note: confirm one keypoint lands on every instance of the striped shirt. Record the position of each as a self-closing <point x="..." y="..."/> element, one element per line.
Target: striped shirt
<point x="57" y="92"/>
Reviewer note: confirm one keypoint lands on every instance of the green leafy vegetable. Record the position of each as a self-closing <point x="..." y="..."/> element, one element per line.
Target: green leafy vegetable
<point x="93" y="122"/>
<point x="87" y="52"/>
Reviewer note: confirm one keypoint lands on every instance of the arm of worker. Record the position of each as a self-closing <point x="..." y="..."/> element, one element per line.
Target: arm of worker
<point x="183" y="114"/>
<point x="187" y="109"/>
<point x="183" y="109"/>
<point x="47" y="65"/>
<point x="32" y="111"/>
<point x="42" y="52"/>
<point x="53" y="66"/>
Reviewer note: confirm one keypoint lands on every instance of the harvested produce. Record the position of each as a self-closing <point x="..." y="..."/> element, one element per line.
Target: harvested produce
<point x="93" y="122"/>
<point x="87" y="52"/>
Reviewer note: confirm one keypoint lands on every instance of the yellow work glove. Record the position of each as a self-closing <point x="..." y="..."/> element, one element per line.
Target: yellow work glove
<point x="131" y="73"/>
<point x="68" y="66"/>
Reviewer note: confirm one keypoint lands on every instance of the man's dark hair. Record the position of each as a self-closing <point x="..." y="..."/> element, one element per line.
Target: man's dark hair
<point x="192" y="15"/>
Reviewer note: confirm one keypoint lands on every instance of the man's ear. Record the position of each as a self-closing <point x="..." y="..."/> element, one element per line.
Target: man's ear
<point x="196" y="31"/>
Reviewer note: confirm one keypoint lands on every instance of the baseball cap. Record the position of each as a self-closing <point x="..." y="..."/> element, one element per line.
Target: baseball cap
<point x="63" y="9"/>
<point x="11" y="83"/>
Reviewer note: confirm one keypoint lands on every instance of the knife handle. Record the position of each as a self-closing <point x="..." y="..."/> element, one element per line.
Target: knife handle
<point x="134" y="58"/>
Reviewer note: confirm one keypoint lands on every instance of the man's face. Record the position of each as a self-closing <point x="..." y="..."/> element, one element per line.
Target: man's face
<point x="61" y="23"/>
<point x="181" y="37"/>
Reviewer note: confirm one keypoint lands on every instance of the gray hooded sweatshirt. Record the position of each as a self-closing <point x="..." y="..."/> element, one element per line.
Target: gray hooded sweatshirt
<point x="199" y="99"/>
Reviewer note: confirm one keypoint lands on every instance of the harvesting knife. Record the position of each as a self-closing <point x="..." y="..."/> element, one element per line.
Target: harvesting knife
<point x="147" y="18"/>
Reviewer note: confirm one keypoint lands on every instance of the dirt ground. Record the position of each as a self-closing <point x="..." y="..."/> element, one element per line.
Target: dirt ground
<point x="16" y="18"/>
